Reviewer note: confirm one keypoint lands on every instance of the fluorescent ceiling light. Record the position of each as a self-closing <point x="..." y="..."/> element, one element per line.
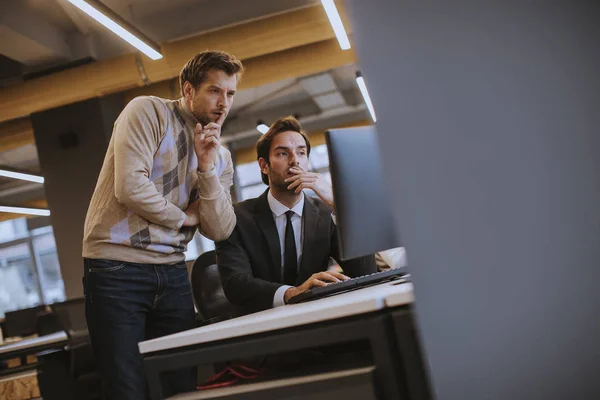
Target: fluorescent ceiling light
<point x="336" y="23"/>
<point x="109" y="19"/>
<point x="262" y="127"/>
<point x="365" y="94"/>
<point x="28" y="211"/>
<point x="24" y="177"/>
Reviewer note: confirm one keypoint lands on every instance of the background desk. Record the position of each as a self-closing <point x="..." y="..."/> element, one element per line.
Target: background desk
<point x="343" y="318"/>
<point x="26" y="347"/>
<point x="33" y="345"/>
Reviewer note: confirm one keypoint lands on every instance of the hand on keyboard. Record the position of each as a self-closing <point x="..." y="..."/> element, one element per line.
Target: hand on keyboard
<point x="320" y="279"/>
<point x="349" y="284"/>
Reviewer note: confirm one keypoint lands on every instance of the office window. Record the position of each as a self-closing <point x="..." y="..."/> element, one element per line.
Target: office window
<point x="248" y="174"/>
<point x="19" y="286"/>
<point x="50" y="277"/>
<point x="249" y="180"/>
<point x="13" y="229"/>
<point x="29" y="268"/>
<point x="319" y="159"/>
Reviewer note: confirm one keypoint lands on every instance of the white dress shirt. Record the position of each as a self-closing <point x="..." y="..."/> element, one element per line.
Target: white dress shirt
<point x="279" y="211"/>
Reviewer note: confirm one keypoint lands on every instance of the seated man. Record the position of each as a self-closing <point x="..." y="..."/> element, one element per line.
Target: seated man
<point x="283" y="239"/>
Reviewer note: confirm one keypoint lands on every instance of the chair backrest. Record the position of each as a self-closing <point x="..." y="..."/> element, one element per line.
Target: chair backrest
<point x="208" y="291"/>
<point x="71" y="317"/>
<point x="47" y="323"/>
<point x="21" y="322"/>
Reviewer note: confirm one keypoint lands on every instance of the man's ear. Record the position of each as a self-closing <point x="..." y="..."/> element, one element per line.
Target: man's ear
<point x="264" y="166"/>
<point x="188" y="90"/>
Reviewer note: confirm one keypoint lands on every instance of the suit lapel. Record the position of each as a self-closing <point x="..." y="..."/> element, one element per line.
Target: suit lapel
<point x="266" y="223"/>
<point x="310" y="225"/>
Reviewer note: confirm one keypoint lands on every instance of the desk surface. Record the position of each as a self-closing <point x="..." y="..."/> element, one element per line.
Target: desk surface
<point x="356" y="302"/>
<point x="34" y="342"/>
<point x="395" y="298"/>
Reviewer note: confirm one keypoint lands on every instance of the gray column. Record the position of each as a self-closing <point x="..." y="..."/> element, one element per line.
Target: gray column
<point x="489" y="115"/>
<point x="71" y="143"/>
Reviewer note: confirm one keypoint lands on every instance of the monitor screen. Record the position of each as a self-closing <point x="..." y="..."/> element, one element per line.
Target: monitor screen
<point x="363" y="212"/>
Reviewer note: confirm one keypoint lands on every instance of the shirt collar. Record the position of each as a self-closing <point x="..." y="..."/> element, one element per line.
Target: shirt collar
<point x="186" y="113"/>
<point x="278" y="209"/>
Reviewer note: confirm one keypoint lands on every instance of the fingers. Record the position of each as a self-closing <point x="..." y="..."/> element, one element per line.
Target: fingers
<point x="302" y="182"/>
<point x="211" y="141"/>
<point x="304" y="177"/>
<point x="198" y="129"/>
<point x="213" y="128"/>
<point x="326" y="277"/>
<point x="221" y="119"/>
<point x="338" y="275"/>
<point x="316" y="283"/>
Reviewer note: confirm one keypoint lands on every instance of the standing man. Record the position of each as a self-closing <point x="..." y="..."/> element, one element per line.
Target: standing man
<point x="283" y="239"/>
<point x="164" y="174"/>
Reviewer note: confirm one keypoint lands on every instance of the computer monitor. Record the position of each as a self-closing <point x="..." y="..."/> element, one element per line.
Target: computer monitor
<point x="363" y="213"/>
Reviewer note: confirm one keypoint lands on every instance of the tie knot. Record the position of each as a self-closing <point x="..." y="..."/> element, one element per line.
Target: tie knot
<point x="289" y="215"/>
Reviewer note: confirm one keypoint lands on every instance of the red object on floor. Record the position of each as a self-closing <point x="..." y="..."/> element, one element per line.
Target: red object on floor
<point x="232" y="374"/>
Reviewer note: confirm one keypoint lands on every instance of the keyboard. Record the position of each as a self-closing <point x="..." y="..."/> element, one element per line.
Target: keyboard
<point x="350" y="284"/>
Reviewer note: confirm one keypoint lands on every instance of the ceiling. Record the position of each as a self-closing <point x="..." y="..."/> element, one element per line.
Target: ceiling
<point x="40" y="37"/>
<point x="41" y="34"/>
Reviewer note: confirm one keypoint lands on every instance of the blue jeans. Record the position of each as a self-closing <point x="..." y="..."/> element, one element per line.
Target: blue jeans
<point x="127" y="303"/>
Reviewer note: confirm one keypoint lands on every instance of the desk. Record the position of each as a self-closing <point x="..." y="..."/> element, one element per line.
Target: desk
<point x="409" y="349"/>
<point x="343" y="318"/>
<point x="33" y="345"/>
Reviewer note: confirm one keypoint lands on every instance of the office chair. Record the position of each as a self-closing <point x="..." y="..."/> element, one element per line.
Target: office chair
<point x="71" y="318"/>
<point x="47" y="323"/>
<point x="71" y="374"/>
<point x="22" y="322"/>
<point x="210" y="299"/>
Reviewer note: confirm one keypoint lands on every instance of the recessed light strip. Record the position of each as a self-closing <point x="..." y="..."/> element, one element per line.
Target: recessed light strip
<point x="110" y="20"/>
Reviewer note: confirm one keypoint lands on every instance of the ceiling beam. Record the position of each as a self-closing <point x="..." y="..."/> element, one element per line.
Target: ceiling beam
<point x="16" y="133"/>
<point x="291" y="63"/>
<point x="250" y="40"/>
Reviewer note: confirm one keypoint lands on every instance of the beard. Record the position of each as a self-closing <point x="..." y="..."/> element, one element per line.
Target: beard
<point x="278" y="183"/>
<point x="203" y="118"/>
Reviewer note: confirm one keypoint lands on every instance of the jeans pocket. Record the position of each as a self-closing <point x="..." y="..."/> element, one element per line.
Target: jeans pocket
<point x="97" y="266"/>
<point x="181" y="265"/>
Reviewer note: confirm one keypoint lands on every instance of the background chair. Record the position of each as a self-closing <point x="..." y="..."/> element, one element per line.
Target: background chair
<point x="71" y="318"/>
<point x="211" y="302"/>
<point x="70" y="374"/>
<point x="22" y="322"/>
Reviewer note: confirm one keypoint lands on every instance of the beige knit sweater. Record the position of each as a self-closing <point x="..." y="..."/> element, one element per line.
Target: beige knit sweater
<point x="148" y="178"/>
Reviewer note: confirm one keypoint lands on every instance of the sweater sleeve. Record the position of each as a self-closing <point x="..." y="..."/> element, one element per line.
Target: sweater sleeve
<point x="217" y="218"/>
<point x="137" y="135"/>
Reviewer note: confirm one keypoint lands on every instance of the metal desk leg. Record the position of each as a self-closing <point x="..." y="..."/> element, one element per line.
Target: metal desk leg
<point x="410" y="354"/>
<point x="388" y="370"/>
<point x="154" y="382"/>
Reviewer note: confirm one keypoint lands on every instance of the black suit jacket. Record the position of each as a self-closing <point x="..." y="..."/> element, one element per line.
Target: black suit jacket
<point x="250" y="260"/>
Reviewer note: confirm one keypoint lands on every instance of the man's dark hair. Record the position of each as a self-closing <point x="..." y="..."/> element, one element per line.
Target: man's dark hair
<point x="284" y="124"/>
<point x="195" y="70"/>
